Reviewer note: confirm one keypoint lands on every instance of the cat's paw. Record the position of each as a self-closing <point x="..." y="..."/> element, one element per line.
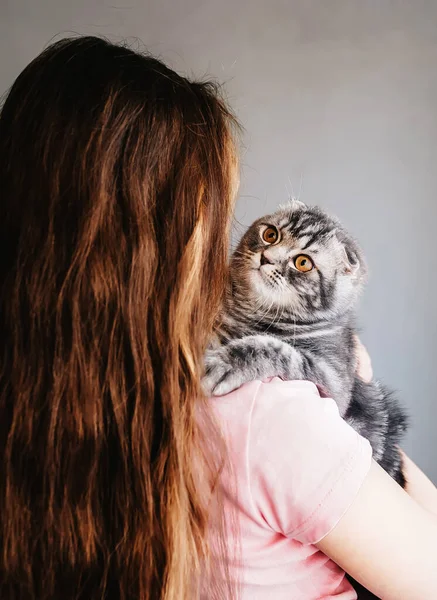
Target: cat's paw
<point x="252" y="357"/>
<point x="229" y="367"/>
<point x="221" y="377"/>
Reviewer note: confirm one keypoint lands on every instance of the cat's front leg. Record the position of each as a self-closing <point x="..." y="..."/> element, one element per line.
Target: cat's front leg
<point x="250" y="358"/>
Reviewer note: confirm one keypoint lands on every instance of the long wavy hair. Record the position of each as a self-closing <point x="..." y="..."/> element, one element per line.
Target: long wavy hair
<point x="117" y="188"/>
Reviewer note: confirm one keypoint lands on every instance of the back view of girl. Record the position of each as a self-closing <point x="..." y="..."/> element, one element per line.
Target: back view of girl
<point x="117" y="183"/>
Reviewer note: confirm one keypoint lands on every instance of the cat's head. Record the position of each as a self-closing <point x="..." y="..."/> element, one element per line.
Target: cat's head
<point x="301" y="260"/>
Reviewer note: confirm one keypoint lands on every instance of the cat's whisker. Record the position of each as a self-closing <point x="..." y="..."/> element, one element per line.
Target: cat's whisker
<point x="292" y="189"/>
<point x="274" y="319"/>
<point x="300" y="186"/>
<point x="278" y="317"/>
<point x="262" y="302"/>
<point x="265" y="313"/>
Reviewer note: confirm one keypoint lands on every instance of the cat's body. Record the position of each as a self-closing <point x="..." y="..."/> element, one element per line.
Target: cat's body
<point x="290" y="311"/>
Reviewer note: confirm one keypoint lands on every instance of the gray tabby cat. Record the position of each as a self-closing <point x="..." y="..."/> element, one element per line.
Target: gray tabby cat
<point x="295" y="280"/>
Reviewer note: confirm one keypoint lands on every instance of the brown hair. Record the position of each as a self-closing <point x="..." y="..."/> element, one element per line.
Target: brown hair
<point x="116" y="177"/>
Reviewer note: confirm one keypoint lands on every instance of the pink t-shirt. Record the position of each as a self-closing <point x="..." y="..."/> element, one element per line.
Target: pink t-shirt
<point x="298" y="466"/>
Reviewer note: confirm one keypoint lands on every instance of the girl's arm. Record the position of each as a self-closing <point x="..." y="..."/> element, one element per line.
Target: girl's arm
<point x="387" y="541"/>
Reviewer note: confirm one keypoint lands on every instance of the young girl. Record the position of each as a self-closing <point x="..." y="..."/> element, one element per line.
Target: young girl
<point x="118" y="179"/>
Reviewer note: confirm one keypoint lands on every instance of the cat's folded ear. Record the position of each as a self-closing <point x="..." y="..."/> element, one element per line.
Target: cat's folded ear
<point x="351" y="261"/>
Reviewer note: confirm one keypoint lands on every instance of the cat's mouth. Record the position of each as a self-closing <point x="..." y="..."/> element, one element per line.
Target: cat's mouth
<point x="269" y="275"/>
<point x="268" y="283"/>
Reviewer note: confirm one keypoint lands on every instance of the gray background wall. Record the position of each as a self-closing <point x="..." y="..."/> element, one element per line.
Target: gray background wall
<point x="339" y="101"/>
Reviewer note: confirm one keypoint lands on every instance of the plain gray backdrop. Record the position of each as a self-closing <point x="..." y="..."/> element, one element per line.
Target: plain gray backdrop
<point x="338" y="99"/>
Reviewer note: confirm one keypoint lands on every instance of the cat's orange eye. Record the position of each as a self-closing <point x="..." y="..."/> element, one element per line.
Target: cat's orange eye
<point x="270" y="235"/>
<point x="303" y="263"/>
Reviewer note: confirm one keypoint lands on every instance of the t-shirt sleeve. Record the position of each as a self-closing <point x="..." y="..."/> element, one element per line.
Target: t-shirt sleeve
<point x="306" y="464"/>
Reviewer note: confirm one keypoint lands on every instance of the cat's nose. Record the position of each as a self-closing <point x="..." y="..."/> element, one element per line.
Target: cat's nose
<point x="265" y="260"/>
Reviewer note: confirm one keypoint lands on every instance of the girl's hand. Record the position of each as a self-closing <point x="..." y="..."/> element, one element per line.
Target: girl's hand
<point x="364" y="364"/>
